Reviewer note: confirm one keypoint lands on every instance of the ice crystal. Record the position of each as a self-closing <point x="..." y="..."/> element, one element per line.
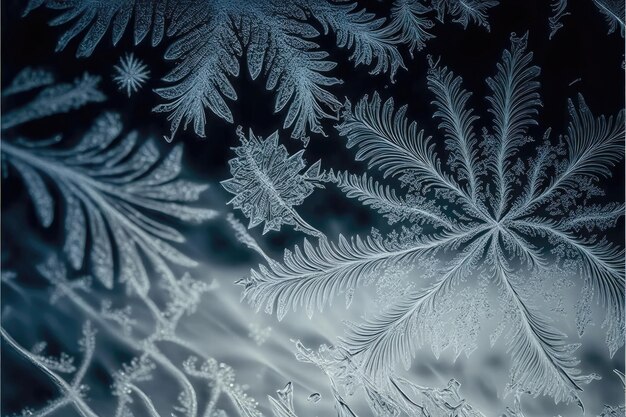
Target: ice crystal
<point x="109" y="186"/>
<point x="278" y="39"/>
<point x="267" y="183"/>
<point x="130" y="74"/>
<point x="283" y="406"/>
<point x="487" y="217"/>
<point x="559" y="11"/>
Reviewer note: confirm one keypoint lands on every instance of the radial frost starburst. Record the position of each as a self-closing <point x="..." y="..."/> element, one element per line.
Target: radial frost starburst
<point x="130" y="74"/>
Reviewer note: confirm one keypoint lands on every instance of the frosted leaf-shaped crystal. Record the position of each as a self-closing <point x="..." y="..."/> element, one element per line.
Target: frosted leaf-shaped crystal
<point x="268" y="182"/>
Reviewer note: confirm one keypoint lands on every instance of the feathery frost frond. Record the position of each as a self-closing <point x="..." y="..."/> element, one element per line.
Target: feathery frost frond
<point x="514" y="105"/>
<point x="109" y="187"/>
<point x="311" y="277"/>
<point x="384" y="199"/>
<point x="464" y="11"/>
<point x="543" y="361"/>
<point x="52" y="100"/>
<point x="409" y="20"/>
<point x="613" y="11"/>
<point x="457" y="121"/>
<point x="388" y="141"/>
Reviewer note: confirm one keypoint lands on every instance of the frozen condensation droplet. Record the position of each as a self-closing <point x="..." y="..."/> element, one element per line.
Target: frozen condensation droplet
<point x="314" y="398"/>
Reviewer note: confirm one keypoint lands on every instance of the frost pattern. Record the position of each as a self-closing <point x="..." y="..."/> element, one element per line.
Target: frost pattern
<point x="613" y="12"/>
<point x="130" y="74"/>
<point x="388" y="398"/>
<point x="278" y="40"/>
<point x="463" y="11"/>
<point x="615" y="411"/>
<point x="52" y="100"/>
<point x="469" y="223"/>
<point x="161" y="319"/>
<point x="109" y="185"/>
<point x="221" y="378"/>
<point x="559" y="11"/>
<point x="267" y="183"/>
<point x="283" y="406"/>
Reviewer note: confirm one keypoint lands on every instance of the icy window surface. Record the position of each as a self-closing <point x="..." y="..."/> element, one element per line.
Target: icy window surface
<point x="445" y="236"/>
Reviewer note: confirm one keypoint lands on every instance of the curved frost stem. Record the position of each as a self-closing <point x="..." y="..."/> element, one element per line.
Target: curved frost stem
<point x="303" y="226"/>
<point x="146" y="400"/>
<point x="72" y="393"/>
<point x="246" y="239"/>
<point x="213" y="398"/>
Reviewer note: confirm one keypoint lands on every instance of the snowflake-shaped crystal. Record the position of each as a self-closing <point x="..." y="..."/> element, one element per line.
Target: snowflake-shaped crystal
<point x="130" y="74"/>
<point x="487" y="218"/>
